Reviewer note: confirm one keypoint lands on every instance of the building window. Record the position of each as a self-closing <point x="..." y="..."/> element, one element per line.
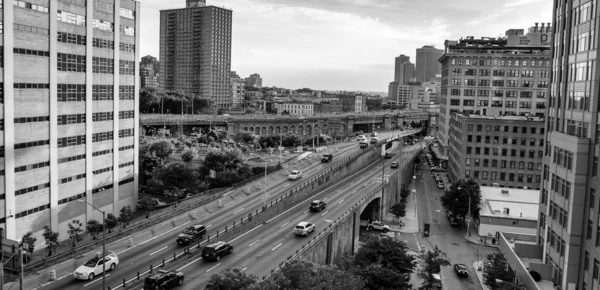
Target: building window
<point x="71" y="141"/>
<point x="126" y="13"/>
<point x="126" y="47"/>
<point x="103" y="25"/>
<point x="104" y="136"/>
<point x="28" y="5"/>
<point x="71" y="178"/>
<point x="71" y="18"/>
<point x="590" y="227"/>
<point x="127" y="30"/>
<point x="71" y="62"/>
<point x="102" y="116"/>
<point x="103" y="43"/>
<point x="125" y="133"/>
<point x="31" y="86"/>
<point x="103" y="65"/>
<point x="71" y="119"/>
<point x="71" y="38"/>
<point x="32" y="188"/>
<point x="596" y="268"/>
<point x="71" y="92"/>
<point x="32" y="211"/>
<point x="30" y="144"/>
<point x="126" y="67"/>
<point x="102" y="92"/>
<point x="31" y="52"/>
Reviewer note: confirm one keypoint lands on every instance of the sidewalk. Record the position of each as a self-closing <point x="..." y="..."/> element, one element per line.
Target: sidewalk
<point x="482" y="241"/>
<point x="410" y="220"/>
<point x="480" y="274"/>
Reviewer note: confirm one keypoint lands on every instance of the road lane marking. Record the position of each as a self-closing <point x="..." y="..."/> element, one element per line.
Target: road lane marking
<point x="158" y="250"/>
<point x="253" y="243"/>
<point x="324" y="213"/>
<point x="213" y="267"/>
<point x="183" y="224"/>
<point x="305" y="211"/>
<point x="283" y="225"/>
<point x="208" y="226"/>
<point x="100" y="278"/>
<point x="241" y="209"/>
<point x="194" y="261"/>
<point x="242" y="270"/>
<point x="228" y="203"/>
<point x="326" y="199"/>
<point x="256" y="227"/>
<point x="228" y="193"/>
<point x="286" y="185"/>
<point x="273" y="249"/>
<point x="341" y="201"/>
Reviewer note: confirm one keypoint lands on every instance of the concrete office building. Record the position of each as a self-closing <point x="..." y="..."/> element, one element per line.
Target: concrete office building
<point x="254" y="80"/>
<point x="237" y="90"/>
<point x="427" y="65"/>
<point x="569" y="205"/>
<point x="195" y="51"/>
<point x="506" y="150"/>
<point x="149" y="67"/>
<point x="493" y="77"/>
<point x="508" y="210"/>
<point x="295" y="108"/>
<point x="404" y="70"/>
<point x="70" y="118"/>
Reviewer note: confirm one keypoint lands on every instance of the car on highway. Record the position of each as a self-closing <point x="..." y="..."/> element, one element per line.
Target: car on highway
<point x="93" y="267"/>
<point x="215" y="251"/>
<point x="360" y="137"/>
<point x="461" y="270"/>
<point x="374" y="134"/>
<point x="326" y="158"/>
<point x="388" y="155"/>
<point x="374" y="140"/>
<point x="440" y="184"/>
<point x="364" y="145"/>
<point x="304" y="228"/>
<point x="377" y="225"/>
<point x="317" y="205"/>
<point x="163" y="279"/>
<point x="394" y="164"/>
<point x="191" y="234"/>
<point x="295" y="174"/>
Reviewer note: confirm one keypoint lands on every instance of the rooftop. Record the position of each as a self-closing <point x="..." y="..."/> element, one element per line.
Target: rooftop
<point x="514" y="118"/>
<point x="521" y="203"/>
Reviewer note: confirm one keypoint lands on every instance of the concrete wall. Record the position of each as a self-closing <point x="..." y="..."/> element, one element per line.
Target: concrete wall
<point x="517" y="265"/>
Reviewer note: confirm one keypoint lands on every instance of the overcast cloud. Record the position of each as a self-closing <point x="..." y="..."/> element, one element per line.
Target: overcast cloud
<point x="346" y="44"/>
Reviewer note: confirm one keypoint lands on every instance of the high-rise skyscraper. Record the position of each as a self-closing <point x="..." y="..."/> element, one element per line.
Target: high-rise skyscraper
<point x="569" y="228"/>
<point x="69" y="113"/>
<point x="404" y="70"/>
<point x="237" y="90"/>
<point x="195" y="51"/>
<point x="254" y="80"/>
<point x="428" y="66"/>
<point x="149" y="67"/>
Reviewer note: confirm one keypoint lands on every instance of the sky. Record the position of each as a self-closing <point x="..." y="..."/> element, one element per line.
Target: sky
<point x="346" y="44"/>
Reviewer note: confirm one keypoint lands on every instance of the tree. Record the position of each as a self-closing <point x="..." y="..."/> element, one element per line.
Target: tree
<point x="149" y="97"/>
<point x="432" y="262"/>
<point x="173" y="175"/>
<point x="389" y="254"/>
<point x="111" y="222"/>
<point x="298" y="274"/>
<point x="495" y="267"/>
<point x="404" y="193"/>
<point x="378" y="277"/>
<point x="245" y="137"/>
<point x="28" y="242"/>
<point x="398" y="210"/>
<point x="94" y="227"/>
<point x="125" y="215"/>
<point x="161" y="149"/>
<point x="457" y="200"/>
<point x="147" y="203"/>
<point x="232" y="279"/>
<point x="51" y="239"/>
<point x="74" y="232"/>
<point x="188" y="155"/>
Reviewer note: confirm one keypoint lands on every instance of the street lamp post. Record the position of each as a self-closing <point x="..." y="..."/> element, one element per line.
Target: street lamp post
<point x="103" y="241"/>
<point x="469" y="211"/>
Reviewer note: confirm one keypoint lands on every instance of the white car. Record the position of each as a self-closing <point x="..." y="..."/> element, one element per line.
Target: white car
<point x="295" y="174"/>
<point x="93" y="267"/>
<point x="304" y="228"/>
<point x="361" y="137"/>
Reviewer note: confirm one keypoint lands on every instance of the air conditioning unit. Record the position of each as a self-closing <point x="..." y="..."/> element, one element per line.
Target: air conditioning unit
<point x="504" y="191"/>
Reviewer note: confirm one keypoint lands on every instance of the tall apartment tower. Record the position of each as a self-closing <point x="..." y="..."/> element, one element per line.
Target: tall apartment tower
<point x="493" y="77"/>
<point x="149" y="67"/>
<point x="195" y="51"/>
<point x="427" y="65"/>
<point x="569" y="228"/>
<point x="69" y="113"/>
<point x="254" y="80"/>
<point x="404" y="70"/>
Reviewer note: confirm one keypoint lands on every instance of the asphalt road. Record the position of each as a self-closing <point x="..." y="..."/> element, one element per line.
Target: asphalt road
<point x="449" y="239"/>
<point x="154" y="250"/>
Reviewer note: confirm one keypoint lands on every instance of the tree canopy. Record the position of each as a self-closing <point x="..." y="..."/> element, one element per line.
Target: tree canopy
<point x="457" y="200"/>
<point x="495" y="267"/>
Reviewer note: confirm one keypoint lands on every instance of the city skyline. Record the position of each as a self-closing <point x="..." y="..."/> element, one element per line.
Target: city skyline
<point x="280" y="45"/>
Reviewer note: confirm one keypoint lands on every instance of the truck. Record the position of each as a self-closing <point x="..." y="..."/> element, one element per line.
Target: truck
<point x="374" y="225"/>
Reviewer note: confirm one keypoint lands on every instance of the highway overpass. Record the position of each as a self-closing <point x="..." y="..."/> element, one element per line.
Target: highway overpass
<point x="333" y="125"/>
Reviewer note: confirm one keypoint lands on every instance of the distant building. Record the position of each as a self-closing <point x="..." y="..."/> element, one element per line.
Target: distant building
<point x="196" y="62"/>
<point x="237" y="89"/>
<point x="328" y="107"/>
<point x="427" y="65"/>
<point x="254" y="80"/>
<point x="508" y="210"/>
<point x="295" y="108"/>
<point x="404" y="70"/>
<point x="149" y="67"/>
<point x="507" y="150"/>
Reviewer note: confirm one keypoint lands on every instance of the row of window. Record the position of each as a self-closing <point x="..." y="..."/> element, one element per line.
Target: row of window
<point x="103" y="65"/>
<point x="503" y="176"/>
<point x="71" y="141"/>
<point x="503" y="164"/>
<point x="496" y="151"/>
<point x="71" y="62"/>
<point x="71" y="158"/>
<point x="32" y="119"/>
<point x="30" y="144"/>
<point x="26" y="28"/>
<point x="125" y="164"/>
<point x="563" y="157"/>
<point x="103" y="116"/>
<point x="559" y="214"/>
<point x="102" y="170"/>
<point x="71" y="92"/>
<point x="104" y="136"/>
<point x="31" y="52"/>
<point x="71" y="119"/>
<point x="497" y="83"/>
<point x="72" y="38"/>
<point x="500" y="62"/>
<point x="495" y="93"/>
<point x="126" y="67"/>
<point x="32" y="166"/>
<point x="556" y="242"/>
<point x="31" y="6"/>
<point x="32" y="211"/>
<point x="71" y="178"/>
<point x="72" y="198"/>
<point x="126" y="114"/>
<point x="560" y="186"/>
<point x="35" y="86"/>
<point x="32" y="188"/>
<point x="126" y="133"/>
<point x="505" y="140"/>
<point x="500" y="73"/>
<point x="498" y="128"/>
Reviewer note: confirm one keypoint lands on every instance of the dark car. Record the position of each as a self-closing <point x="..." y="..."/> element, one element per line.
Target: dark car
<point x="454" y="220"/>
<point x="364" y="145"/>
<point x="461" y="270"/>
<point x="317" y="205"/>
<point x="327" y="158"/>
<point x="191" y="234"/>
<point x="163" y="279"/>
<point x="214" y="252"/>
<point x="388" y="155"/>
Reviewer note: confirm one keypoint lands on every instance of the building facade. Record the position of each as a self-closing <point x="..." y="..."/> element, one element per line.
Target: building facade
<point x="70" y="118"/>
<point x="328" y="107"/>
<point x="404" y="70"/>
<point x="569" y="208"/>
<point x="254" y="80"/>
<point x="237" y="90"/>
<point x="194" y="62"/>
<point x="492" y="77"/>
<point x="427" y="65"/>
<point x="149" y="67"/>
<point x="504" y="150"/>
<point x="295" y="108"/>
<point x="508" y="210"/>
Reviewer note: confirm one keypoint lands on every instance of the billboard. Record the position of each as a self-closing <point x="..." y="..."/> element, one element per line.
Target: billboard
<point x="531" y="39"/>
